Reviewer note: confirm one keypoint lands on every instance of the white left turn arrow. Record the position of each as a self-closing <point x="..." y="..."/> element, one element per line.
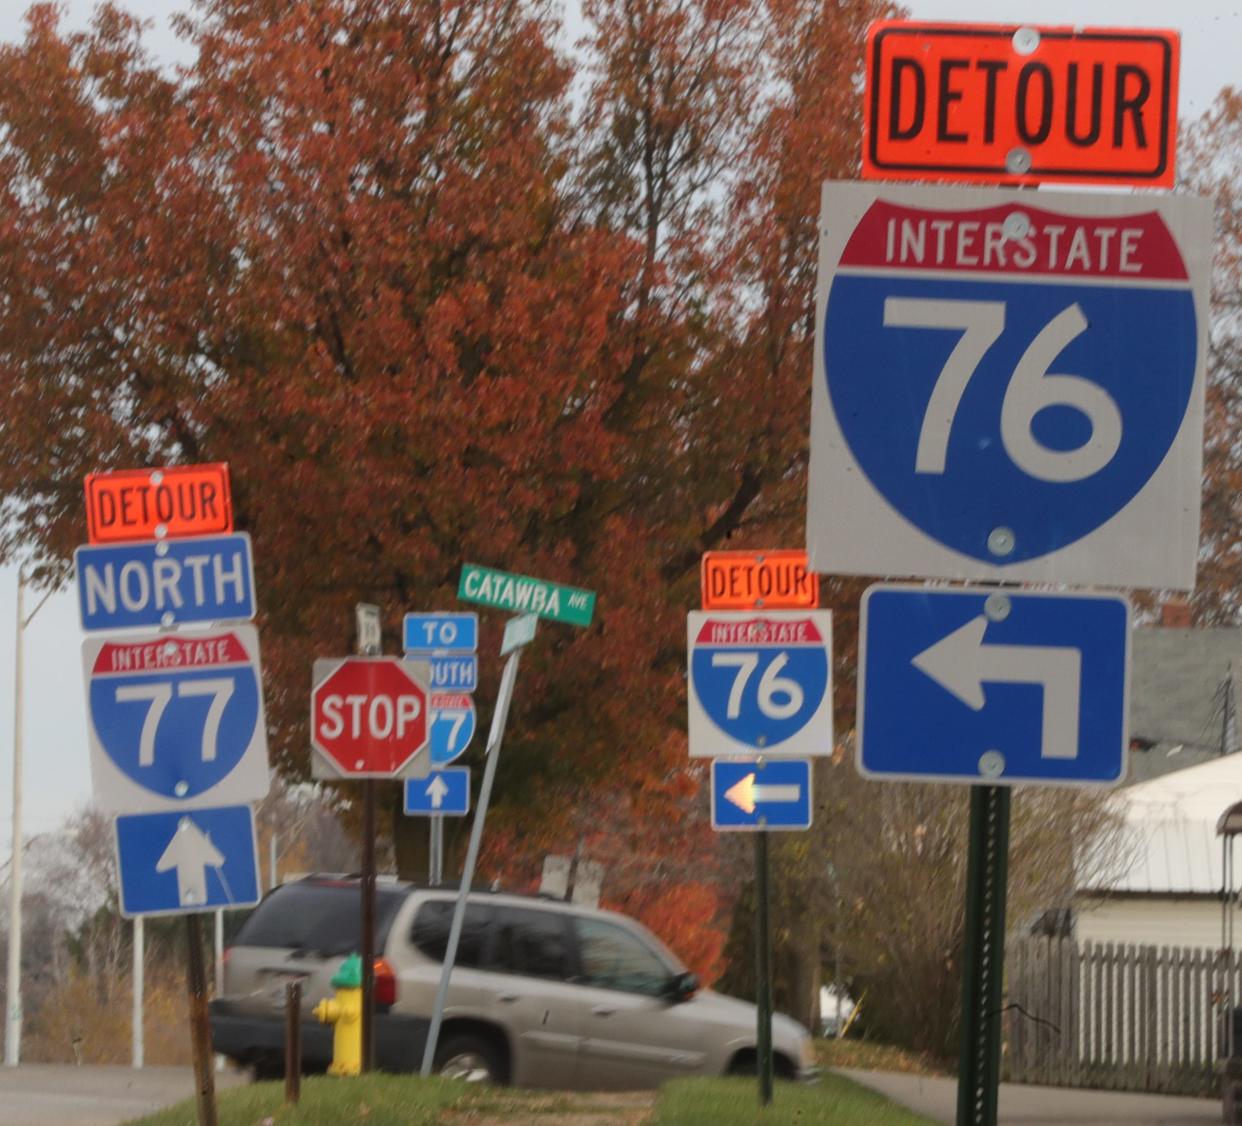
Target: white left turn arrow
<point x="191" y="852"/>
<point x="961" y="663"/>
<point x="746" y="793"/>
<point x="437" y="791"/>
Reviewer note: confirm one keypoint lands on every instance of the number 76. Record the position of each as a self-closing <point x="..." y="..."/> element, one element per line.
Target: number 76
<point x="1031" y="388"/>
<point x="771" y="684"/>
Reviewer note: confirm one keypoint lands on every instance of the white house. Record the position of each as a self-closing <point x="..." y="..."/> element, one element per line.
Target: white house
<point x="1163" y="886"/>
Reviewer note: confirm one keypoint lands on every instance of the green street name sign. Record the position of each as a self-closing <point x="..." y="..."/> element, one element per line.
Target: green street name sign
<point x="520" y="594"/>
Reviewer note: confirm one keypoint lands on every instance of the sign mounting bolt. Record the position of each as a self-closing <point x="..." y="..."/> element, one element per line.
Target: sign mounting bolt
<point x="1025" y="40"/>
<point x="1018" y="161"/>
<point x="181" y="789"/>
<point x="991" y="764"/>
<point x="996" y="607"/>
<point x="1017" y="225"/>
<point x="1001" y="541"/>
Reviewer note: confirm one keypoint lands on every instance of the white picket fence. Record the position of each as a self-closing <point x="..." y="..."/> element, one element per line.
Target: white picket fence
<point x="1111" y="1015"/>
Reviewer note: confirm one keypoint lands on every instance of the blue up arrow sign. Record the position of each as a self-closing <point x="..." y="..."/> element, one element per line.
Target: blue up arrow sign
<point x="774" y="795"/>
<point x="443" y="793"/>
<point x="187" y="861"/>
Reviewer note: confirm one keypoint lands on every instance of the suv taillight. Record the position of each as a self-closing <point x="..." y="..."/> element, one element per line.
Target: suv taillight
<point x="385" y="984"/>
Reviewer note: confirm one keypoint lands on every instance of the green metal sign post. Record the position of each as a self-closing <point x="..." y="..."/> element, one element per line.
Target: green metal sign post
<point x="983" y="962"/>
<point x="763" y="970"/>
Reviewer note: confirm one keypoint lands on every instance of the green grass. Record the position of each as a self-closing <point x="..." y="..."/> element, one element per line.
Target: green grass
<point x="394" y="1100"/>
<point x="834" y="1101"/>
<point x="399" y="1100"/>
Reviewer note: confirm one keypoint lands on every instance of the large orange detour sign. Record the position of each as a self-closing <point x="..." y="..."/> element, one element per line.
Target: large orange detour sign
<point x="1020" y="104"/>
<point x="126" y="505"/>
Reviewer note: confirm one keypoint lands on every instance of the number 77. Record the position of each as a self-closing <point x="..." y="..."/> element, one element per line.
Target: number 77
<point x="158" y="694"/>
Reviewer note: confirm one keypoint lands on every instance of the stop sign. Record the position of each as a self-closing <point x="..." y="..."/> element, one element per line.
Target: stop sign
<point x="369" y="716"/>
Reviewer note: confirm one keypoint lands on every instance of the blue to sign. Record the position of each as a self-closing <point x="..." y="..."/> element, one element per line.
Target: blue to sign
<point x="426" y="634"/>
<point x="453" y="721"/>
<point x="776" y="795"/>
<point x="165" y="582"/>
<point x="187" y="862"/>
<point x="444" y="793"/>
<point x="993" y="687"/>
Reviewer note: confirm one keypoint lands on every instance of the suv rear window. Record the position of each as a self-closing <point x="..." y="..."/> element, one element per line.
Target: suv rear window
<point x="319" y="918"/>
<point x="431" y="930"/>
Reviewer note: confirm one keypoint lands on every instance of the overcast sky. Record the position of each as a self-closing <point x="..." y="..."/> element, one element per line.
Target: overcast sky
<point x="56" y="764"/>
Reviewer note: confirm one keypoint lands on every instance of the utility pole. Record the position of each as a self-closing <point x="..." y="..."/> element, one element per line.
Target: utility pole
<point x="13" y="981"/>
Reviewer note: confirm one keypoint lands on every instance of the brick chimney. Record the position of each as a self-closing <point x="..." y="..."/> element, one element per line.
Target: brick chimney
<point x="1175" y="614"/>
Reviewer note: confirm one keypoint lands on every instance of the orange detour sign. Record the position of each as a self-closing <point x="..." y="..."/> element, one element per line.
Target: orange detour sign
<point x="144" y="504"/>
<point x="766" y="580"/>
<point x="1005" y="103"/>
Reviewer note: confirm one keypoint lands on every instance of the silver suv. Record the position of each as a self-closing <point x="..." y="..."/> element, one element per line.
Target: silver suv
<point x="543" y="994"/>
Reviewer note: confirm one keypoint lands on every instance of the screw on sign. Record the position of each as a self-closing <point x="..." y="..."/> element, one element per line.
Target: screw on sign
<point x="368" y="716"/>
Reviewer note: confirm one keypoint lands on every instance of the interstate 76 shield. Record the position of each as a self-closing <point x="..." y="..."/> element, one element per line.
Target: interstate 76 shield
<point x="1009" y="385"/>
<point x="176" y="720"/>
<point x="760" y="683"/>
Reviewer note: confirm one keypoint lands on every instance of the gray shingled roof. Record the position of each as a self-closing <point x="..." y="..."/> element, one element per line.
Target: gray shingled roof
<point x="1182" y="690"/>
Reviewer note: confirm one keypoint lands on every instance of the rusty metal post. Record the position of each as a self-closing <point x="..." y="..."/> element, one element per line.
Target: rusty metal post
<point x="200" y="1025"/>
<point x="293" y="1041"/>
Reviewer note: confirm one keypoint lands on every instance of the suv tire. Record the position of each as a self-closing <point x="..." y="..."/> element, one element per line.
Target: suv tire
<point x="468" y="1057"/>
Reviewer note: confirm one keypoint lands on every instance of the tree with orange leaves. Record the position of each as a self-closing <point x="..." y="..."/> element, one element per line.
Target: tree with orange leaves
<point x="432" y="302"/>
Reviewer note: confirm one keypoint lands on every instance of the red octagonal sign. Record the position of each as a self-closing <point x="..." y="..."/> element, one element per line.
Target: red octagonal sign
<point x="368" y="716"/>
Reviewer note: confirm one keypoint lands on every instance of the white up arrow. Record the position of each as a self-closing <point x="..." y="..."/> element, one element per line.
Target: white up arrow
<point x="437" y="791"/>
<point x="746" y="793"/>
<point x="961" y="662"/>
<point x="191" y="852"/>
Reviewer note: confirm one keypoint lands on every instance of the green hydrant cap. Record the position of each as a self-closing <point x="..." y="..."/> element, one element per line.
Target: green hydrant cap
<point x="349" y="976"/>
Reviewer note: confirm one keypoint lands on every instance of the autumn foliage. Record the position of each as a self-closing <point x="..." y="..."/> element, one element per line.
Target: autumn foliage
<point x="441" y="284"/>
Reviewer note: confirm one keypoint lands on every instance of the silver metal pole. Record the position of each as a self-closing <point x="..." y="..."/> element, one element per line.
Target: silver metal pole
<point x="271" y="862"/>
<point x="13" y="982"/>
<point x="219" y="936"/>
<point x="437" y="850"/>
<point x="494" y="740"/>
<point x="139" y="979"/>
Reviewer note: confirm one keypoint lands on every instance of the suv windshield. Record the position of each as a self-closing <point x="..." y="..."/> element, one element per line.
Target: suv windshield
<point x="319" y="918"/>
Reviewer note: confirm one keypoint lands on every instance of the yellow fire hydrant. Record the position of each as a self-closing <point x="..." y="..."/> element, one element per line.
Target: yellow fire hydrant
<point x="344" y="1011"/>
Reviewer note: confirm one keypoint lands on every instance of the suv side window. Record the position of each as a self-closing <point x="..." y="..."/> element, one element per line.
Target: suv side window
<point x="613" y="958"/>
<point x="532" y="943"/>
<point x="430" y="932"/>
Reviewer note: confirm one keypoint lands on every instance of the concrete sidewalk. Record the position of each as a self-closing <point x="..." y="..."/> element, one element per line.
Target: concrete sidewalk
<point x="1043" y="1106"/>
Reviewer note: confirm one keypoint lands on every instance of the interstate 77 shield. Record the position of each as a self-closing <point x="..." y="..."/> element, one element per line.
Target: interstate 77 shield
<point x="760" y="683"/>
<point x="175" y="720"/>
<point x="1009" y="385"/>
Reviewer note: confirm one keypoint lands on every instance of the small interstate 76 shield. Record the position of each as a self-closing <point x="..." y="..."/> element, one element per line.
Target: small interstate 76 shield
<point x="760" y="683"/>
<point x="1009" y="385"/>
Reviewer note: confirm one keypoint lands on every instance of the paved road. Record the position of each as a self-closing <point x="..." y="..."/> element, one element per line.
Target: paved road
<point x="37" y="1094"/>
<point x="1044" y="1106"/>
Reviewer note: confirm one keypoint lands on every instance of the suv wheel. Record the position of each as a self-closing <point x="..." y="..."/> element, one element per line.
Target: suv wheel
<point x="470" y="1058"/>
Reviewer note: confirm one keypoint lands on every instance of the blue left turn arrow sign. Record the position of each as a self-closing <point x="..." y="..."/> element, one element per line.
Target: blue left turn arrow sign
<point x="774" y="795"/>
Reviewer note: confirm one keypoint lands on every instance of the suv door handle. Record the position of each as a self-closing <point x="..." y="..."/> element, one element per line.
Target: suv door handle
<point x="603" y="1010"/>
<point x="508" y="998"/>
